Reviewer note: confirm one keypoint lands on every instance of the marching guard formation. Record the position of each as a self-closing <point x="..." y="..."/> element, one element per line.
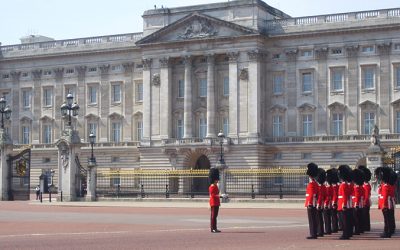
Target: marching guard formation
<point x="340" y="200"/>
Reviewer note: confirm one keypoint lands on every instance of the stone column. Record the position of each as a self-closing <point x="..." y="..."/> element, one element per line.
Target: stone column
<point x="129" y="101"/>
<point x="165" y="99"/>
<point x="187" y="103"/>
<point x="58" y="101"/>
<point x="80" y="97"/>
<point x="91" y="182"/>
<point x="233" y="95"/>
<point x="321" y="92"/>
<point x="15" y="106"/>
<point x="147" y="99"/>
<point x="104" y="103"/>
<point x="254" y="90"/>
<point x="291" y="88"/>
<point x="6" y="148"/>
<point x="68" y="148"/>
<point x="383" y="91"/>
<point x="351" y="93"/>
<point x="210" y="97"/>
<point x="37" y="105"/>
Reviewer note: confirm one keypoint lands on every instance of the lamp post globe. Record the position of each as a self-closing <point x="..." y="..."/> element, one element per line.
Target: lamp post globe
<point x="69" y="108"/>
<point x="92" y="140"/>
<point x="221" y="137"/>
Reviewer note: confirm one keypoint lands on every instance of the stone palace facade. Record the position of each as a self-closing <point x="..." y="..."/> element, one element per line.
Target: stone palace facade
<point x="284" y="90"/>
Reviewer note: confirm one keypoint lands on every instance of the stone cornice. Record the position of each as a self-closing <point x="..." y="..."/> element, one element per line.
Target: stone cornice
<point x="81" y="70"/>
<point x="233" y="56"/>
<point x="59" y="72"/>
<point x="147" y="63"/>
<point x="256" y="55"/>
<point x="352" y="50"/>
<point x="164" y="62"/>
<point x="291" y="54"/>
<point x="128" y="66"/>
<point x="384" y="48"/>
<point x="37" y="74"/>
<point x="104" y="68"/>
<point x="321" y="53"/>
<point x="15" y="75"/>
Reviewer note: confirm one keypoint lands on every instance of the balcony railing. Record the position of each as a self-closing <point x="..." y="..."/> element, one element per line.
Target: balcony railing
<point x="130" y="37"/>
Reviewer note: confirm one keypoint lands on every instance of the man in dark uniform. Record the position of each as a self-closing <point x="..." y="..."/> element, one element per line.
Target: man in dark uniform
<point x="344" y="201"/>
<point x="311" y="199"/>
<point x="367" y="198"/>
<point x="321" y="178"/>
<point x="214" y="198"/>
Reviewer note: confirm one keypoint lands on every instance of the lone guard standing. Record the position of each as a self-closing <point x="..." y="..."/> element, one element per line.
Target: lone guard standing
<point x="311" y="199"/>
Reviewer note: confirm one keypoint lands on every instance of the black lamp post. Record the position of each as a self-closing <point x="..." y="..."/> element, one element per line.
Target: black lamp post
<point x="4" y="110"/>
<point x="92" y="139"/>
<point x="221" y="137"/>
<point x="69" y="108"/>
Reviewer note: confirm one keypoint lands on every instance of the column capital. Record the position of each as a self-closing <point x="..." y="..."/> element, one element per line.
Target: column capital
<point x="104" y="68"/>
<point x="15" y="75"/>
<point x="291" y="54"/>
<point x="147" y="63"/>
<point x="384" y="47"/>
<point x="321" y="53"/>
<point x="128" y="66"/>
<point x="187" y="60"/>
<point x="81" y="70"/>
<point x="233" y="56"/>
<point x="352" y="50"/>
<point x="59" y="72"/>
<point x="37" y="74"/>
<point x="256" y="55"/>
<point x="164" y="62"/>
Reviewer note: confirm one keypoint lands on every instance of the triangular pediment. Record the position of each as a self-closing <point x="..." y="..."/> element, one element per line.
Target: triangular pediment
<point x="196" y="26"/>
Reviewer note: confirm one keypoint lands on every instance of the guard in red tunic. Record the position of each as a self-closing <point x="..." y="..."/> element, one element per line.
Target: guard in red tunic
<point x="311" y="199"/>
<point x="214" y="198"/>
<point x="344" y="200"/>
<point x="385" y="201"/>
<point x="358" y="200"/>
<point x="366" y="221"/>
<point x="333" y="180"/>
<point x="321" y="178"/>
<point x="392" y="193"/>
<point x="328" y="203"/>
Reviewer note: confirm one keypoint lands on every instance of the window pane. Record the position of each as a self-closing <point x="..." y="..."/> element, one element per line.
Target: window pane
<point x="369" y="122"/>
<point x="226" y="126"/>
<point x="139" y="127"/>
<point x="307" y="82"/>
<point x="116" y="93"/>
<point x="398" y="76"/>
<point x="337" y="124"/>
<point x="92" y="128"/>
<point x="369" y="78"/>
<point x="92" y="95"/>
<point x="277" y="128"/>
<point x="25" y="134"/>
<point x="277" y="84"/>
<point x="337" y="80"/>
<point x="179" y="129"/>
<point x="139" y="92"/>
<point x="203" y="88"/>
<point x="226" y="86"/>
<point x="202" y="128"/>
<point x="46" y="133"/>
<point x="398" y="122"/>
<point x="181" y="88"/>
<point x="307" y="125"/>
<point x="26" y="98"/>
<point x="116" y="132"/>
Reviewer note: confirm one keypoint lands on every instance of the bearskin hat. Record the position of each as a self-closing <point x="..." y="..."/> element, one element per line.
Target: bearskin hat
<point x="385" y="174"/>
<point x="332" y="176"/>
<point x="312" y="169"/>
<point x="321" y="177"/>
<point x="358" y="176"/>
<point x="344" y="172"/>
<point x="393" y="177"/>
<point x="366" y="171"/>
<point x="213" y="175"/>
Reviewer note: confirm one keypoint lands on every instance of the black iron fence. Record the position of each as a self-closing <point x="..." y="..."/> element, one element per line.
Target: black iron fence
<point x="240" y="183"/>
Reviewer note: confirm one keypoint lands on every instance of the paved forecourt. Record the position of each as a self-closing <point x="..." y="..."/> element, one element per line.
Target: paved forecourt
<point x="169" y="225"/>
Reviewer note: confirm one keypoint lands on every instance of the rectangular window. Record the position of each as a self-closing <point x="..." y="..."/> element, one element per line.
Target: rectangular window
<point x="92" y="94"/>
<point x="92" y="128"/>
<point x="398" y="122"/>
<point x="397" y="85"/>
<point x="369" y="78"/>
<point x="397" y="46"/>
<point x="277" y="126"/>
<point x="369" y="122"/>
<point x="202" y="127"/>
<point x="47" y="97"/>
<point x="278" y="84"/>
<point x="116" y="93"/>
<point x="26" y="98"/>
<point x="306" y="53"/>
<point x="307" y="82"/>
<point x="225" y="91"/>
<point x="139" y="132"/>
<point x="181" y="89"/>
<point x="307" y="125"/>
<point x="225" y="128"/>
<point x="139" y="92"/>
<point x="337" y="124"/>
<point x="25" y="134"/>
<point x="336" y="51"/>
<point x="46" y="133"/>
<point x="116" y="132"/>
<point x="367" y="49"/>
<point x="179" y="129"/>
<point x="337" y="79"/>
<point x="203" y="88"/>
<point x="306" y="156"/>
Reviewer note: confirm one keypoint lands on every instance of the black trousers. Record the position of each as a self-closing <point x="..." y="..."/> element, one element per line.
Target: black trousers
<point x="320" y="222"/>
<point x="386" y="221"/>
<point x="327" y="220"/>
<point x="340" y="217"/>
<point x="312" y="220"/>
<point x="358" y="220"/>
<point x="350" y="218"/>
<point x="346" y="223"/>
<point x="366" y="219"/>
<point x="335" y="220"/>
<point x="392" y="221"/>
<point x="214" y="215"/>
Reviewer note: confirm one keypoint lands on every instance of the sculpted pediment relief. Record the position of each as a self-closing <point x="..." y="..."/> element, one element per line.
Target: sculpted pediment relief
<point x="195" y="26"/>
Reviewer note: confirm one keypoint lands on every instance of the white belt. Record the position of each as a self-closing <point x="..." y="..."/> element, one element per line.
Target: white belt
<point x="307" y="195"/>
<point x="340" y="196"/>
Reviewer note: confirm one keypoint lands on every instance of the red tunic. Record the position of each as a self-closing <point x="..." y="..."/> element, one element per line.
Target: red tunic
<point x="385" y="200"/>
<point x="311" y="193"/>
<point x="380" y="199"/>
<point x="214" y="195"/>
<point x="335" y="194"/>
<point x="367" y="194"/>
<point x="344" y="196"/>
<point x="321" y="196"/>
<point x="358" y="198"/>
<point x="329" y="196"/>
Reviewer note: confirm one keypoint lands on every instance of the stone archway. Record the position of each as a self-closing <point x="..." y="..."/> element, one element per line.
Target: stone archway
<point x="200" y="184"/>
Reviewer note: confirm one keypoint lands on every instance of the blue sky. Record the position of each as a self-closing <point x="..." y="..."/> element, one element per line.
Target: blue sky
<point x="66" y="19"/>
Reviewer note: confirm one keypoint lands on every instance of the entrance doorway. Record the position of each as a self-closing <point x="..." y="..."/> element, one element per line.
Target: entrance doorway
<point x="200" y="184"/>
